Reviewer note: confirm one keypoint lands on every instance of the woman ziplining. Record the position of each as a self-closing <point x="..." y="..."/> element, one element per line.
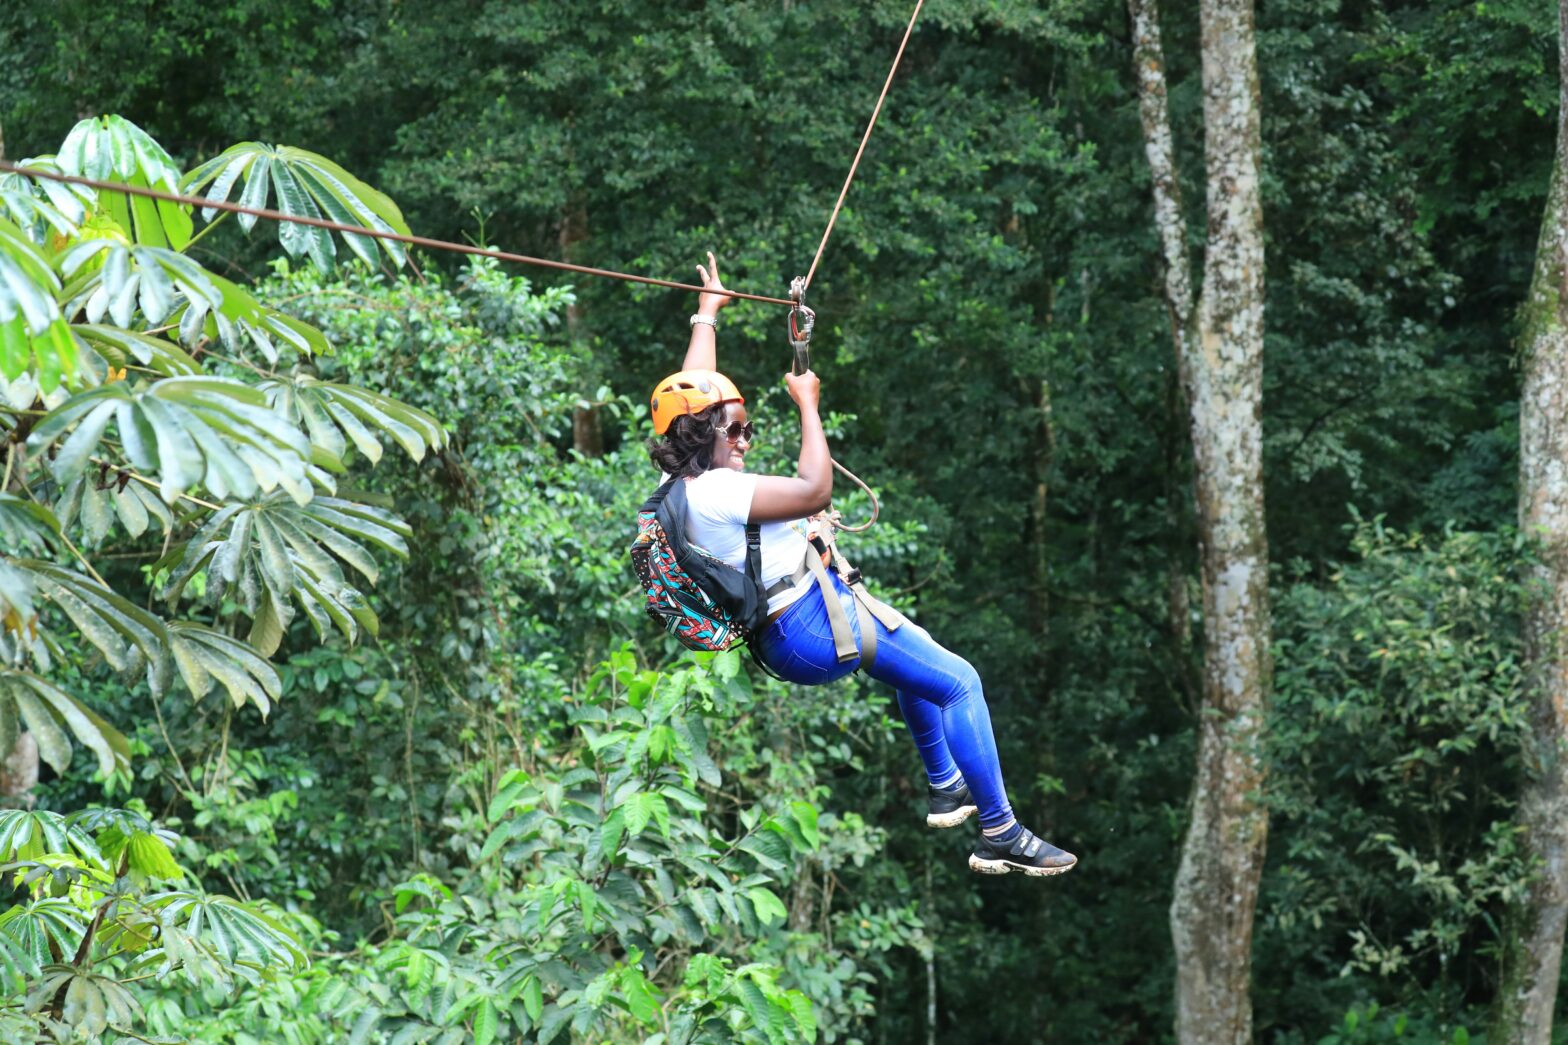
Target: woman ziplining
<point x="728" y="556"/>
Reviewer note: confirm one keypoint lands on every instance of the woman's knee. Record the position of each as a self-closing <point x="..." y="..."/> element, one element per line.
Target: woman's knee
<point x="967" y="680"/>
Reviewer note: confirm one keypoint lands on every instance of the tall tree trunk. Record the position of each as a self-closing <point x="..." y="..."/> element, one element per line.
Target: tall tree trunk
<point x="19" y="772"/>
<point x="1535" y="942"/>
<point x="1219" y="343"/>
<point x="587" y="425"/>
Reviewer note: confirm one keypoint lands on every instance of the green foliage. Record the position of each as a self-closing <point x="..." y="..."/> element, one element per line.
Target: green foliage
<point x="306" y="185"/>
<point x="109" y="905"/>
<point x="1395" y="752"/>
<point x="997" y="363"/>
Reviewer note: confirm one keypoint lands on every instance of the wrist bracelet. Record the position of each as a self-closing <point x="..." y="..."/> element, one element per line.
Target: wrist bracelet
<point x="710" y="321"/>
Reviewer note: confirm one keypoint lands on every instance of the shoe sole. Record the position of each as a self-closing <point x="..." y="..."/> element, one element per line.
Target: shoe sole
<point x="982" y="866"/>
<point x="952" y="819"/>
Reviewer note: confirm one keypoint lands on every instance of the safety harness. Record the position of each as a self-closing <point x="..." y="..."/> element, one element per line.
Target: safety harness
<point x="867" y="606"/>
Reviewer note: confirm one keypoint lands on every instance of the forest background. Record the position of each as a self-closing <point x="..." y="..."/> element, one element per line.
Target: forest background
<point x="427" y="811"/>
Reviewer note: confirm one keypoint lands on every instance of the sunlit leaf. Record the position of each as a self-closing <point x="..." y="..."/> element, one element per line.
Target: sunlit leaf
<point x="33" y="333"/>
<point x="186" y="430"/>
<point x="330" y="411"/>
<point x="111" y="148"/>
<point x="302" y="183"/>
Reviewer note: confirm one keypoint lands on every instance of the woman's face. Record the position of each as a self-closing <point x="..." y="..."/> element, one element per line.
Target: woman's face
<point x="728" y="454"/>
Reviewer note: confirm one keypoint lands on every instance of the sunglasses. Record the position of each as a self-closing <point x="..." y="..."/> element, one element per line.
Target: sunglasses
<point x="734" y="431"/>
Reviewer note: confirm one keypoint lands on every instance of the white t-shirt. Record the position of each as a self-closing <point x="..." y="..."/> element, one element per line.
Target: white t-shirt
<point x="718" y="503"/>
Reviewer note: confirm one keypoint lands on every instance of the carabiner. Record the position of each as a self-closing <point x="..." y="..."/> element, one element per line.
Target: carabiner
<point x="801" y="322"/>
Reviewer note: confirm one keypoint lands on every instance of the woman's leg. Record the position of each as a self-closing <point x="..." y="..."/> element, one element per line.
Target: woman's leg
<point x="940" y="688"/>
<point x="925" y="673"/>
<point x="924" y="720"/>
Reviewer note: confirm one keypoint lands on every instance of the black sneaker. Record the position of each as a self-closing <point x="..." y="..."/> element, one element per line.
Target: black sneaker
<point x="950" y="808"/>
<point x="1033" y="856"/>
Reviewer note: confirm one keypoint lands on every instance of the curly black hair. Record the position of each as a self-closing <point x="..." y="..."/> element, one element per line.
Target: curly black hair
<point x="687" y="446"/>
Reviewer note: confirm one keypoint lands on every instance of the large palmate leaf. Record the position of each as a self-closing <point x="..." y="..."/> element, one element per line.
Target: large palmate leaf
<point x="112" y="148"/>
<point x="22" y="195"/>
<point x="31" y="834"/>
<point x="329" y="411"/>
<point x="135" y="505"/>
<point x="210" y="938"/>
<point x="26" y="524"/>
<point x="129" y="637"/>
<point x="93" y="1002"/>
<point x="188" y="430"/>
<point x="205" y="656"/>
<point x="122" y="348"/>
<point x="116" y="281"/>
<point x="274" y="553"/>
<point x="32" y="330"/>
<point x="31" y="929"/>
<point x="305" y="184"/>
<point x="54" y="717"/>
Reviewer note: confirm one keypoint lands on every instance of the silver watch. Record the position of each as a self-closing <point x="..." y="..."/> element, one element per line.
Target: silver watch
<point x="711" y="321"/>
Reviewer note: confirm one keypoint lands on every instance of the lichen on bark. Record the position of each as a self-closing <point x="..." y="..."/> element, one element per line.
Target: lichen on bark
<point x="1219" y="346"/>
<point x="1527" y="994"/>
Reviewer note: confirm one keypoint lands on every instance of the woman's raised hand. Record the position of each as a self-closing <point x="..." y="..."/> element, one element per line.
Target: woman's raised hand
<point x="709" y="304"/>
<point x="805" y="389"/>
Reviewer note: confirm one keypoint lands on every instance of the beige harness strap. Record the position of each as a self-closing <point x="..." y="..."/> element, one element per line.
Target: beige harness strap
<point x="843" y="636"/>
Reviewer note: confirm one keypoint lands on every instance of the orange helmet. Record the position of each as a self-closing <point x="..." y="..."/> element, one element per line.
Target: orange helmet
<point x="690" y="392"/>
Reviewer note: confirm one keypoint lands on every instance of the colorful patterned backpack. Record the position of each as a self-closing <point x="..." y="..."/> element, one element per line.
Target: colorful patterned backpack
<point x="703" y="601"/>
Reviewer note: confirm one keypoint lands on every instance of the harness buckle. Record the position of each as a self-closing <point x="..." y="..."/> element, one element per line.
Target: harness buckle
<point x="852" y="578"/>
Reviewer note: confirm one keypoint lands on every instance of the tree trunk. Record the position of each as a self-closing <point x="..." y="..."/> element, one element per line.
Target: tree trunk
<point x="587" y="425"/>
<point x="1535" y="941"/>
<point x="1219" y="347"/>
<point x="19" y="772"/>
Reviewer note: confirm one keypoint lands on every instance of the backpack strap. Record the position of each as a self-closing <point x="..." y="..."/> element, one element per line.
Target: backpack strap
<point x="754" y="557"/>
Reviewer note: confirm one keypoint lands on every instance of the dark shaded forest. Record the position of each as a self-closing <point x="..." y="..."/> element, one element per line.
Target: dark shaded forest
<point x="512" y="810"/>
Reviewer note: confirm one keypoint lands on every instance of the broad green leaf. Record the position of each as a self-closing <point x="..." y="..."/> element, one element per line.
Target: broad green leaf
<point x="238" y="932"/>
<point x="308" y="185"/>
<point x="639" y="994"/>
<point x="330" y="411"/>
<point x="204" y="656"/>
<point x="768" y="907"/>
<point x="33" y="332"/>
<point x="209" y="430"/>
<point x="487" y="1021"/>
<point x="111" y="148"/>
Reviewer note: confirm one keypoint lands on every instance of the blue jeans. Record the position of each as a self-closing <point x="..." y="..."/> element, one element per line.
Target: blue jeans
<point x="938" y="691"/>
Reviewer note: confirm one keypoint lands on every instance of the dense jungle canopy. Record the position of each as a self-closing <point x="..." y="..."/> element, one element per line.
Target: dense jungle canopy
<point x="477" y="795"/>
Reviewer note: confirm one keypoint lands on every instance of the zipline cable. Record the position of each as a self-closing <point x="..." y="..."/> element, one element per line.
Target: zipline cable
<point x="360" y="230"/>
<point x="796" y="303"/>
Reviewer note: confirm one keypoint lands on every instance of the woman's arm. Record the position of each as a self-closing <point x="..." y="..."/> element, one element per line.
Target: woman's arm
<point x="702" y="350"/>
<point x="778" y="498"/>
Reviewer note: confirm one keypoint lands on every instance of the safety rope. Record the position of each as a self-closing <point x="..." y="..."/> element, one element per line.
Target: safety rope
<point x="863" y="139"/>
<point x="360" y="230"/>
